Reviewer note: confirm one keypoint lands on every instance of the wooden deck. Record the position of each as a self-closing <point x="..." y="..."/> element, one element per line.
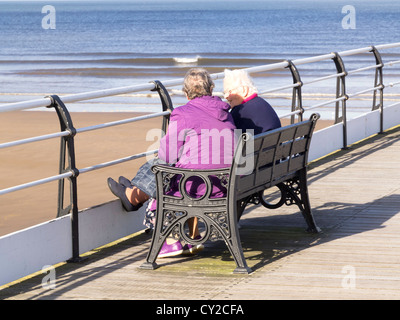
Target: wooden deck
<point x="355" y="196"/>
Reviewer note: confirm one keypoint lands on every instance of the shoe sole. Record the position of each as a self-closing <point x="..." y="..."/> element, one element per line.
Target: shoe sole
<point x="193" y="250"/>
<point x="124" y="201"/>
<point x="170" y="254"/>
<point x="125" y="182"/>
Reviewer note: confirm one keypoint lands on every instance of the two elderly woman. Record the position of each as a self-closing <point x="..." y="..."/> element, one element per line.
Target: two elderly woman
<point x="203" y="113"/>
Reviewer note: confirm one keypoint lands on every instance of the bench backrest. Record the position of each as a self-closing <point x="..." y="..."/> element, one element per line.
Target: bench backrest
<point x="260" y="162"/>
<point x="271" y="157"/>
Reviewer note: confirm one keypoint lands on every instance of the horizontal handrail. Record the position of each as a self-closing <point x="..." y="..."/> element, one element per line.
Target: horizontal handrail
<point x="314" y="59"/>
<point x="269" y="67"/>
<point x="394" y="104"/>
<point x="90" y="128"/>
<point x="293" y="113"/>
<point x="35" y="139"/>
<point x="45" y="102"/>
<point x="124" y="121"/>
<point x="291" y="86"/>
<point x="325" y="103"/>
<point x="70" y="173"/>
<point x="391" y="63"/>
<point x="392" y="84"/>
<point x="37" y="182"/>
<point x="117" y="161"/>
<point x="365" y="68"/>
<point x="350" y="95"/>
<point x="335" y="75"/>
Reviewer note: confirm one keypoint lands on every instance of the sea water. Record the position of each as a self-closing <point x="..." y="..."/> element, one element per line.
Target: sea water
<point x="94" y="45"/>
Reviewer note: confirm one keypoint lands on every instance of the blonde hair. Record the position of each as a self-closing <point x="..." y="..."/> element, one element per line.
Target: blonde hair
<point x="238" y="78"/>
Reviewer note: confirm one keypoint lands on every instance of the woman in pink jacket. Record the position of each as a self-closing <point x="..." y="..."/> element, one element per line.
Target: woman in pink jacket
<point x="200" y="136"/>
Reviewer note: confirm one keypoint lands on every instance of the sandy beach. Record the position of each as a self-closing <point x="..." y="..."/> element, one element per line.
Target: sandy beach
<point x="29" y="162"/>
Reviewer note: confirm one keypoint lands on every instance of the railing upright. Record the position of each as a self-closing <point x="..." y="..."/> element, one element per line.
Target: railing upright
<point x="67" y="150"/>
<point x="340" y="105"/>
<point x="165" y="102"/>
<point x="297" y="101"/>
<point x="378" y="83"/>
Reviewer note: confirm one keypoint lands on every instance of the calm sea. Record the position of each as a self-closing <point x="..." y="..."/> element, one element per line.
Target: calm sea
<point x="95" y="45"/>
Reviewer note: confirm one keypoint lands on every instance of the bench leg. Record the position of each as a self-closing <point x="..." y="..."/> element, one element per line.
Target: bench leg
<point x="155" y="247"/>
<point x="306" y="211"/>
<point x="303" y="202"/>
<point x="158" y="239"/>
<point x="234" y="245"/>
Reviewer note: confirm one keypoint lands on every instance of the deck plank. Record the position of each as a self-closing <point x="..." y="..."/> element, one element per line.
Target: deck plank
<point x="355" y="196"/>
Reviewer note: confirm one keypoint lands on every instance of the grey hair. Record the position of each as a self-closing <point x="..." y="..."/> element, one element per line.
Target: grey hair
<point x="238" y="78"/>
<point x="197" y="83"/>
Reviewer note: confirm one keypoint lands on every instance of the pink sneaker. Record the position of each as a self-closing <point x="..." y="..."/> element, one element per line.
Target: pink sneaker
<point x="170" y="250"/>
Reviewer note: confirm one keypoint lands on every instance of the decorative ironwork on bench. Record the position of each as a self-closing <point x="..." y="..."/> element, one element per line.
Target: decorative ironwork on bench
<point x="277" y="158"/>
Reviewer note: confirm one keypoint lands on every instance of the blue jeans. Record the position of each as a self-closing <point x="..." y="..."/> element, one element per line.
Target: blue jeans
<point x="145" y="179"/>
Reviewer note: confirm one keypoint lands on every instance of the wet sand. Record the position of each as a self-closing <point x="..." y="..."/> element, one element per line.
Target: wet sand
<point x="29" y="162"/>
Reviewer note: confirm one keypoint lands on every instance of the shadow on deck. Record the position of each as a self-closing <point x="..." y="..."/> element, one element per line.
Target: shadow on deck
<point x="272" y="243"/>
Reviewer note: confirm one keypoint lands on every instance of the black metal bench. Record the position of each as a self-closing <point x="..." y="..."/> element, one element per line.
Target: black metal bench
<point x="279" y="159"/>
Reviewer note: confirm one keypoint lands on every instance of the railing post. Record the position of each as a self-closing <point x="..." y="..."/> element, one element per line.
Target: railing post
<point x="297" y="101"/>
<point x="378" y="82"/>
<point x="68" y="148"/>
<point x="341" y="92"/>
<point x="165" y="101"/>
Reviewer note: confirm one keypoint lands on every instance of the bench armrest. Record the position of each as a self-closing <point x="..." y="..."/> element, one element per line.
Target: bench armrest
<point x="172" y="181"/>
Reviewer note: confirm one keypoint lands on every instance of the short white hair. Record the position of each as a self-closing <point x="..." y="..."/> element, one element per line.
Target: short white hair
<point x="238" y="78"/>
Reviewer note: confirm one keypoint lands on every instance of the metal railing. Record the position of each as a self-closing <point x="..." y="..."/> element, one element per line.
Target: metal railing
<point x="67" y="167"/>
